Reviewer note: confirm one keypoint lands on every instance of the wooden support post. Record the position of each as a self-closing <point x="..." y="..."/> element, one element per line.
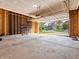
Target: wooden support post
<point x="35" y="27"/>
<point x="74" y="23"/>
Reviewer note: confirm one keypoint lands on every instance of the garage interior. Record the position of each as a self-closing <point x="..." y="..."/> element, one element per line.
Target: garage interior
<point x="39" y="29"/>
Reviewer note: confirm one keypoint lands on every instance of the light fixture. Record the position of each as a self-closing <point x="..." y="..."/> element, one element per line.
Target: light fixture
<point x="35" y="6"/>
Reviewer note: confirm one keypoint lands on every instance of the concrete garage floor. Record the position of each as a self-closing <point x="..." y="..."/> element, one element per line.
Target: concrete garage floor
<point x="38" y="47"/>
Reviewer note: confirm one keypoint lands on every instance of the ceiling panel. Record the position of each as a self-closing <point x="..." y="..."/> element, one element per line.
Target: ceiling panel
<point x="46" y="6"/>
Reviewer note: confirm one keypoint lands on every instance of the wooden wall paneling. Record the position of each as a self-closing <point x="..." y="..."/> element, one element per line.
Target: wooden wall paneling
<point x="35" y="27"/>
<point x="21" y="24"/>
<point x="24" y="24"/>
<point x="29" y="26"/>
<point x="74" y="23"/>
<point x="15" y="23"/>
<point x="10" y="23"/>
<point x="78" y="21"/>
<point x="6" y="22"/>
<point x="25" y="19"/>
<point x="18" y="24"/>
<point x="0" y="24"/>
<point x="1" y="21"/>
<point x="22" y="19"/>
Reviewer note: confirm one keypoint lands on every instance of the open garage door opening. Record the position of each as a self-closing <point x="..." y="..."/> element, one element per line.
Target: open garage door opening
<point x="57" y="25"/>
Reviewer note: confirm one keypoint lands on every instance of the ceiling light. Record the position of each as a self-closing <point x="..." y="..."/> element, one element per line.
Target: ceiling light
<point x="35" y="6"/>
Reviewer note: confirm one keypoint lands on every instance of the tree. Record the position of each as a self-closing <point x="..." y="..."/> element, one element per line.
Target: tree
<point x="65" y="25"/>
<point x="59" y="25"/>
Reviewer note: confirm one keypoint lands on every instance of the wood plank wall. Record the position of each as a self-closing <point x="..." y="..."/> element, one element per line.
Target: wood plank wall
<point x="74" y="22"/>
<point x="1" y="21"/>
<point x="35" y="27"/>
<point x="12" y="23"/>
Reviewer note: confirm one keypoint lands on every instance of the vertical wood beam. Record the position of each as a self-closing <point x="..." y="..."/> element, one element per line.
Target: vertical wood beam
<point x="1" y="22"/>
<point x="74" y="22"/>
<point x="35" y="27"/>
<point x="6" y="32"/>
<point x="12" y="24"/>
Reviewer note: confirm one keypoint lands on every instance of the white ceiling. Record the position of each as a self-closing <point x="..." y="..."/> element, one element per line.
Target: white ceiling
<point x="61" y="16"/>
<point x="26" y="6"/>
